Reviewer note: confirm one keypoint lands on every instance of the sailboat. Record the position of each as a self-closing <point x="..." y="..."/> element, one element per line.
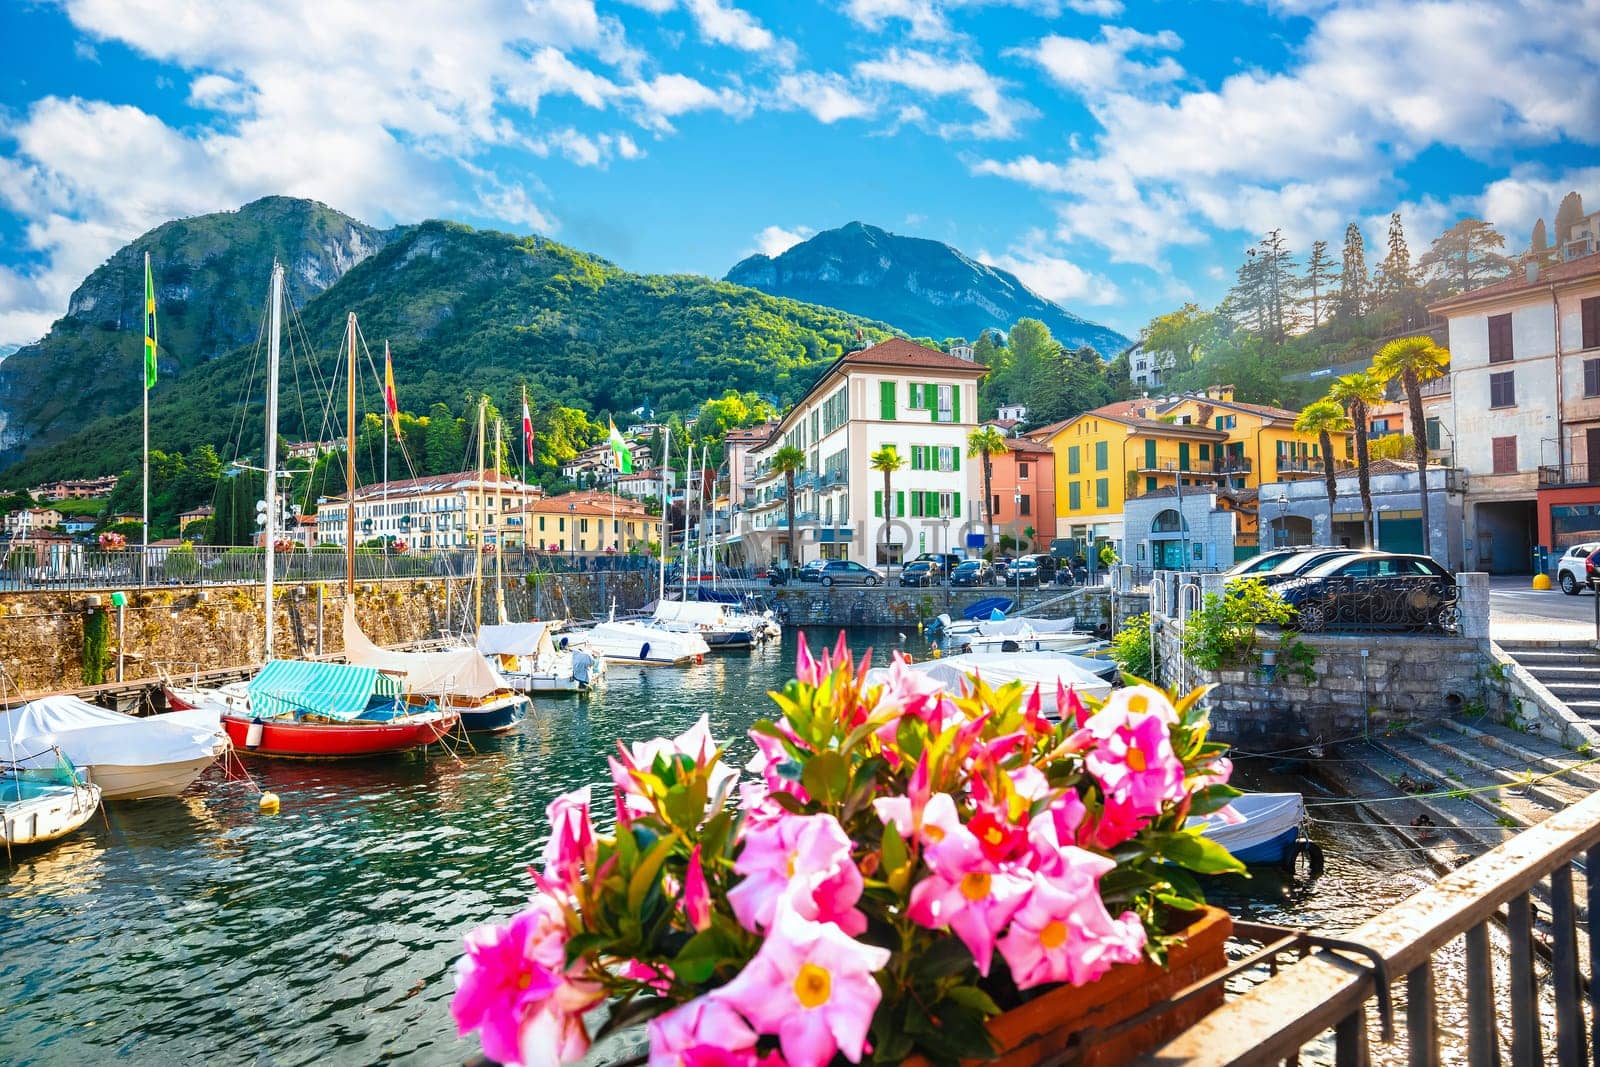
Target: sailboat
<point x="528" y="659"/>
<point x="43" y="803"/>
<point x="306" y="709"/>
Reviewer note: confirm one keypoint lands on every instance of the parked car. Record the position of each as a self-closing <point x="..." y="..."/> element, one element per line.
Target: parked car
<point x="1266" y="561"/>
<point x="1002" y="566"/>
<point x="945" y="561"/>
<point x="1300" y="563"/>
<point x="849" y="572"/>
<point x="1373" y="591"/>
<point x="1572" y="571"/>
<point x="812" y="572"/>
<point x="920" y="572"/>
<point x="1037" y="569"/>
<point x="974" y="572"/>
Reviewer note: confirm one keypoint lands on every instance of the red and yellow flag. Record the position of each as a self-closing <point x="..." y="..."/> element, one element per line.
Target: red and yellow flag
<point x="391" y="404"/>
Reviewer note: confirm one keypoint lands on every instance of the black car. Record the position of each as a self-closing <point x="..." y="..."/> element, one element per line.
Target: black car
<point x="944" y="561"/>
<point x="974" y="572"/>
<point x="1374" y="591"/>
<point x="920" y="572"/>
<point x="1270" y="559"/>
<point x="812" y="572"/>
<point x="1036" y="569"/>
<point x="1300" y="563"/>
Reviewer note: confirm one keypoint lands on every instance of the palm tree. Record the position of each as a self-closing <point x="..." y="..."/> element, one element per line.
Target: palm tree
<point x="1325" y="418"/>
<point x="1414" y="360"/>
<point x="985" y="443"/>
<point x="789" y="461"/>
<point x="887" y="460"/>
<point x="1357" y="393"/>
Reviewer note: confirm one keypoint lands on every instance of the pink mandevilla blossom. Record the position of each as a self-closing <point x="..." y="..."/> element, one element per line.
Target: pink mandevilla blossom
<point x="967" y="893"/>
<point x="811" y="985"/>
<point x="696" y="897"/>
<point x="571" y="846"/>
<point x="1063" y="932"/>
<point x="508" y="974"/>
<point x="1133" y="761"/>
<point x="705" y="1032"/>
<point x="805" y="861"/>
<point x="937" y="827"/>
<point x="695" y="742"/>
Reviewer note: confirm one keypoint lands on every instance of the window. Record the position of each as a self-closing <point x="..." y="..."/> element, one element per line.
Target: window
<point x="1072" y="460"/>
<point x="1205" y="453"/>
<point x="1591" y="377"/>
<point x="1074" y="497"/>
<point x="1022" y="472"/>
<point x="1027" y="505"/>
<point x="886" y="401"/>
<point x="994" y="506"/>
<point x="1432" y="430"/>
<point x="1505" y="455"/>
<point x="1149" y="485"/>
<point x="1500" y="338"/>
<point x="1102" y="492"/>
<point x="1503" y="389"/>
<point x="914" y="396"/>
<point x="1102" y="455"/>
<point x="1227" y="422"/>
<point x="947" y="404"/>
<point x="1590" y="314"/>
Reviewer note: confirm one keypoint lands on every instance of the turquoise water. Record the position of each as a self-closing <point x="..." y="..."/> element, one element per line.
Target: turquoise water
<point x="197" y="927"/>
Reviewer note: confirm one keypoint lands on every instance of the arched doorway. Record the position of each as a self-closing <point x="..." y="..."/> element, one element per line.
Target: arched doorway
<point x="1169" y="538"/>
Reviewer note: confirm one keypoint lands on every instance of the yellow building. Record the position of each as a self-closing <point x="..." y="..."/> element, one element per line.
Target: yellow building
<point x="1203" y="441"/>
<point x="584" y="522"/>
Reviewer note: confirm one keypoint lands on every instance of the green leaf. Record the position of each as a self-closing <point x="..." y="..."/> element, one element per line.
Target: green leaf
<point x="1200" y="854"/>
<point x="644" y="876"/>
<point x="1181" y="903"/>
<point x="970" y="996"/>
<point x="894" y="849"/>
<point x="945" y="957"/>
<point x="826" y="776"/>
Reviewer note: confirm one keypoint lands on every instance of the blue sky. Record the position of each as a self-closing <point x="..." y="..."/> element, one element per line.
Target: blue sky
<point x="1118" y="155"/>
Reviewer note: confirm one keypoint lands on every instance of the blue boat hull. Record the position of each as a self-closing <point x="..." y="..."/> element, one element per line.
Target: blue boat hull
<point x="494" y="720"/>
<point x="1269" y="853"/>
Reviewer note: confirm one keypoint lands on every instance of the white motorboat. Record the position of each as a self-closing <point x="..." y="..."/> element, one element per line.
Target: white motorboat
<point x="716" y="624"/>
<point x="636" y="643"/>
<point x="128" y="757"/>
<point x="1051" y="672"/>
<point x="1023" y="635"/>
<point x="44" y="803"/>
<point x="1268" y="832"/>
<point x="528" y="659"/>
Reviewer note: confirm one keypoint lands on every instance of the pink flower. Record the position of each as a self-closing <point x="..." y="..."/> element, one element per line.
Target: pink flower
<point x="937" y="827"/>
<point x="967" y="893"/>
<point x="550" y="1038"/>
<point x="508" y="974"/>
<point x="770" y="757"/>
<point x="705" y="1032"/>
<point x="696" y="897"/>
<point x="695" y="742"/>
<point x="1133" y="762"/>
<point x="1064" y="933"/>
<point x="571" y="846"/>
<point x="812" y="986"/>
<point x="801" y="859"/>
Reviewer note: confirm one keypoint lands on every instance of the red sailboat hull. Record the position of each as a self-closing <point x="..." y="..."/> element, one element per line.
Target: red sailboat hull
<point x="335" y="740"/>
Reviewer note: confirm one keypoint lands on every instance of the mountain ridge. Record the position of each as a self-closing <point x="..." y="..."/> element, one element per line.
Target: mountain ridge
<point x="916" y="284"/>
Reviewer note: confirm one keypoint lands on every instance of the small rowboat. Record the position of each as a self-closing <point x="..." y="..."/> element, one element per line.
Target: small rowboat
<point x="1270" y="832"/>
<point x="43" y="804"/>
<point x="336" y="740"/>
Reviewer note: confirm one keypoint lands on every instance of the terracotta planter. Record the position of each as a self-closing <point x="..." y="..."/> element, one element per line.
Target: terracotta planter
<point x="1043" y="1028"/>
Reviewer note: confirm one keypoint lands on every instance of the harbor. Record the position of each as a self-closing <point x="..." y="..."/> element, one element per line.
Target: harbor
<point x="172" y="928"/>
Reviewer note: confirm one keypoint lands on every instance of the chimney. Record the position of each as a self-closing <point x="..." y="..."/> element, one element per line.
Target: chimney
<point x="1530" y="271"/>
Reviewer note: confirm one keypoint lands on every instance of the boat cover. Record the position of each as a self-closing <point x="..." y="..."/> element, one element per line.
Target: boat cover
<point x="513" y="638"/>
<point x="458" y="671"/>
<point x="89" y="735"/>
<point x="1264" y="816"/>
<point x="691" y="612"/>
<point x="1026" y="627"/>
<point x="985" y="608"/>
<point x="1043" y="669"/>
<point x="289" y="687"/>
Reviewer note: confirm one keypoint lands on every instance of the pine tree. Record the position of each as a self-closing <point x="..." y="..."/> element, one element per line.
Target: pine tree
<point x="1567" y="215"/>
<point x="1317" y="280"/>
<point x="1354" y="295"/>
<point x="1399" y="292"/>
<point x="1465" y="257"/>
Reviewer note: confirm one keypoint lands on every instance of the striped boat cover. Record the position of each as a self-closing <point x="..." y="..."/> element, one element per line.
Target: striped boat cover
<point x="287" y="688"/>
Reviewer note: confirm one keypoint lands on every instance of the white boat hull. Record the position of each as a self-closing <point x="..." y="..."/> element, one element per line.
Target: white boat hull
<point x="141" y="782"/>
<point x="37" y="820"/>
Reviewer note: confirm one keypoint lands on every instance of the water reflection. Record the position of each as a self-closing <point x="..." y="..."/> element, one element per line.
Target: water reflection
<point x="325" y="934"/>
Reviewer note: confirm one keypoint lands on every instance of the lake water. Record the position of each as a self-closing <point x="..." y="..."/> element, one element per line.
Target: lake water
<point x="198" y="928"/>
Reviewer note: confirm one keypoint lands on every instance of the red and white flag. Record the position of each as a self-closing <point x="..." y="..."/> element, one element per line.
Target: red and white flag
<point x="527" y="429"/>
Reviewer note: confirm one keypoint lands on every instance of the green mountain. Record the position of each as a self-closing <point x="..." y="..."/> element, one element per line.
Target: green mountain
<point x="210" y="276"/>
<point x="466" y="311"/>
<point x="926" y="288"/>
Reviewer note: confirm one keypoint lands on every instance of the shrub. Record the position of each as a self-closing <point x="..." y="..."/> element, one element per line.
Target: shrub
<point x="1224" y="629"/>
<point x="1131" y="647"/>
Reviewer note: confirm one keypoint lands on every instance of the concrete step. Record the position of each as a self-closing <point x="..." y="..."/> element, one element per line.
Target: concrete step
<point x="1534" y="658"/>
<point x="1530" y="749"/>
<point x="1569" y="692"/>
<point x="1527" y="776"/>
<point x="1587" y="673"/>
<point x="1449" y="772"/>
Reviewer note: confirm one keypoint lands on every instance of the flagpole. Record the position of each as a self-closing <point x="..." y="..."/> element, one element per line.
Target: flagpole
<point x="388" y="415"/>
<point x="666" y="473"/>
<point x="527" y="427"/>
<point x="144" y="511"/>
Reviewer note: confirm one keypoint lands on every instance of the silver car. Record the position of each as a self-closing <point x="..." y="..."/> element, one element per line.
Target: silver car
<point x="849" y="572"/>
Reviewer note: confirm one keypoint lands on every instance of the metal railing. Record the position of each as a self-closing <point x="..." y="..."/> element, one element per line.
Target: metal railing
<point x="1310" y="465"/>
<point x="69" y="568"/>
<point x="1333" y="989"/>
<point x="1567" y="474"/>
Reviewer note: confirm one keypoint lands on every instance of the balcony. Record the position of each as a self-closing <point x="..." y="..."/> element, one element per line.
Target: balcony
<point x="1554" y="477"/>
<point x="1310" y="465"/>
<point x="1172" y="466"/>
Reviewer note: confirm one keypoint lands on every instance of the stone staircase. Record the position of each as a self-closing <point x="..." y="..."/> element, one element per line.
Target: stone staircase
<point x="1571" y="672"/>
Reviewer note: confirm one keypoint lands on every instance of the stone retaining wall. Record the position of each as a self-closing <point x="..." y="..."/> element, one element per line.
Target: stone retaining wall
<point x="813" y="605"/>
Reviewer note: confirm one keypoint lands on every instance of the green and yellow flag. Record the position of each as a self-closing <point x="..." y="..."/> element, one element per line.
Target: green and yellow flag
<point x="619" y="448"/>
<point x="149" y="327"/>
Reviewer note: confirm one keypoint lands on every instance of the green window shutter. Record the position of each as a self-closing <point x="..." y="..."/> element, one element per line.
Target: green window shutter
<point x="955" y="458"/>
<point x="900" y="503"/>
<point x="916" y="505"/>
<point x="1183" y="455"/>
<point x="1102" y="493"/>
<point x="955" y="403"/>
<point x="877" y="503"/>
<point x="955" y="504"/>
<point x="1072" y="460"/>
<point x="931" y="508"/>
<point x="886" y="401"/>
<point x="1150" y="454"/>
<point x="1101" y="455"/>
<point x="1149" y="485"/>
<point x="1205" y="453"/>
<point x="911" y="394"/>
<point x="1074" y="497"/>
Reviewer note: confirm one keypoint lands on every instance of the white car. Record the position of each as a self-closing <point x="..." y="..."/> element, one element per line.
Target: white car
<point x="1571" y="573"/>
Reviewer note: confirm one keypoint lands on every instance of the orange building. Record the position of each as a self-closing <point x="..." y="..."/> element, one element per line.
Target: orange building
<point x="1023" y="494"/>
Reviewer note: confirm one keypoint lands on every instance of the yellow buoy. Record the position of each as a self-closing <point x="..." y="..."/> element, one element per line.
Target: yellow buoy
<point x="935" y="653"/>
<point x="919" y="627"/>
<point x="269" y="803"/>
<point x="1541" y="582"/>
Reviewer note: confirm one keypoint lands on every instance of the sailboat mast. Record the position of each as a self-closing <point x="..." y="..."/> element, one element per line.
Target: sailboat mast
<point x="683" y="559"/>
<point x="500" y="533"/>
<point x="477" y="565"/>
<point x="386" y="429"/>
<point x="350" y="462"/>
<point x="270" y="515"/>
<point x="666" y="457"/>
<point x="144" y="523"/>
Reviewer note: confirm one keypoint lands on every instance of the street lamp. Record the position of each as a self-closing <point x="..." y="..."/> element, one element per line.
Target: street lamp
<point x="1016" y="511"/>
<point x="572" y="536"/>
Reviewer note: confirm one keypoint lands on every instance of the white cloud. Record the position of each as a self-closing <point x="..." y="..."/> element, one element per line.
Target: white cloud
<point x="939" y="77"/>
<point x="1373" y="86"/>
<point x="829" y="97"/>
<point x="1529" y="193"/>
<point x="775" y="240"/>
<point x="667" y="96"/>
<point x="725" y="24"/>
<point x="1101" y="65"/>
<point x="586" y="150"/>
<point x="929" y="20"/>
<point x="1052" y="275"/>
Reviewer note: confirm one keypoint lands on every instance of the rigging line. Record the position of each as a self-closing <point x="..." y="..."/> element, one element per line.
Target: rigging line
<point x="380" y="383"/>
<point x="1405" y="825"/>
<point x="236" y="432"/>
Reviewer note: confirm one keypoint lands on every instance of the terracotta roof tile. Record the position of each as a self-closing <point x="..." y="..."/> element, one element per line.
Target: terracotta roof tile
<point x="1570" y="271"/>
<point x="898" y="352"/>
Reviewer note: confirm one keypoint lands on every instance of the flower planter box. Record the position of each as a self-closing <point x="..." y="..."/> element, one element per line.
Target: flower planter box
<point x="1040" y="1030"/>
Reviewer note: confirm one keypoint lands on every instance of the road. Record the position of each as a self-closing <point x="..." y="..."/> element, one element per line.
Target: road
<point x="1517" y="611"/>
